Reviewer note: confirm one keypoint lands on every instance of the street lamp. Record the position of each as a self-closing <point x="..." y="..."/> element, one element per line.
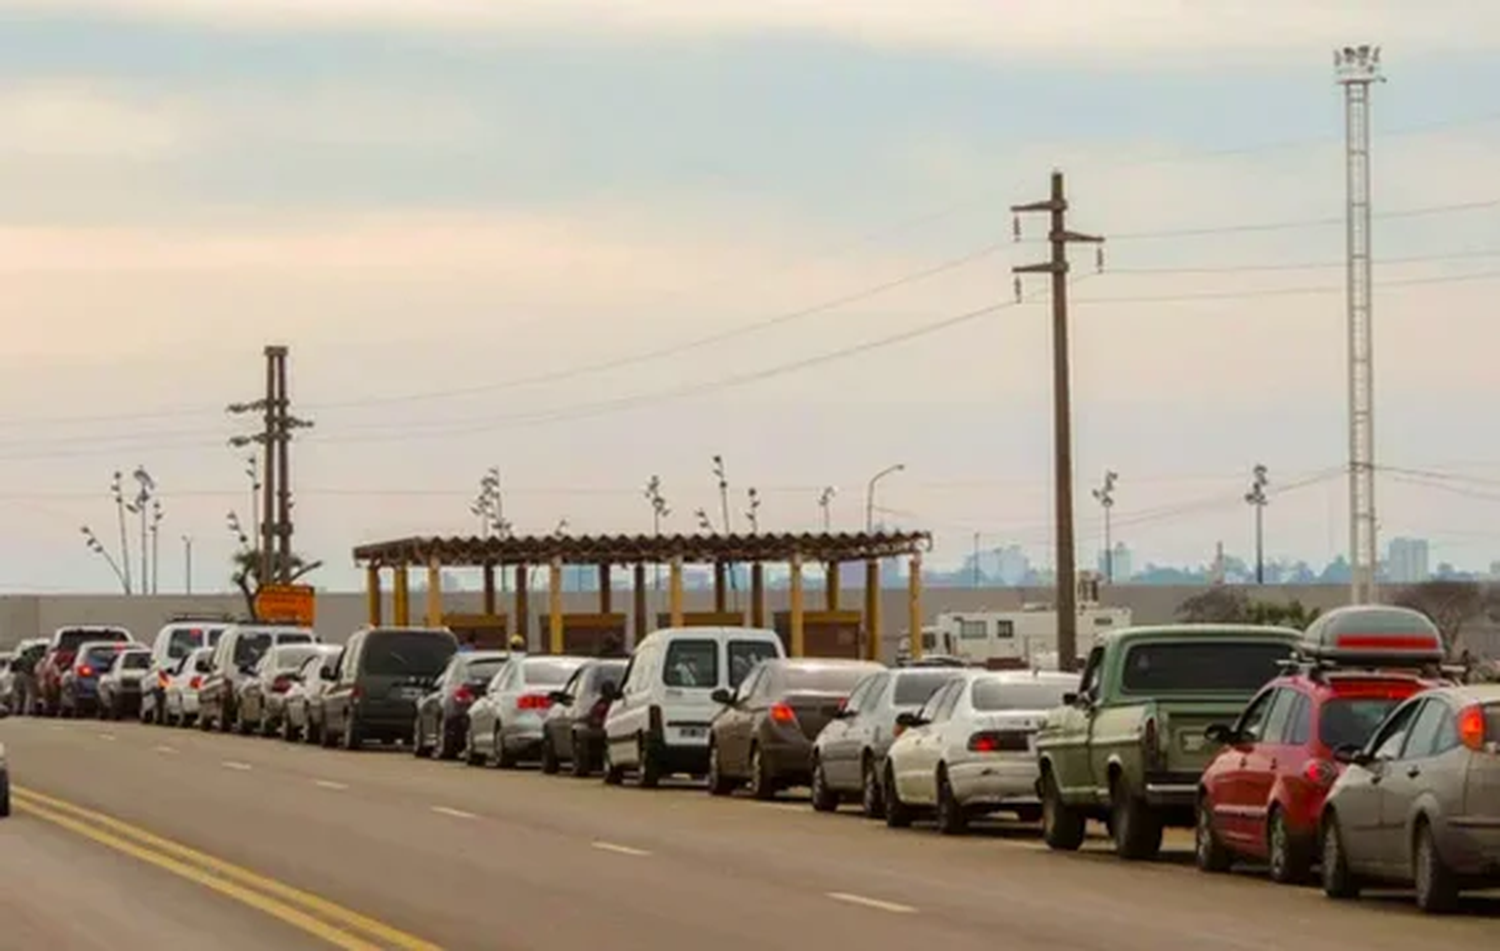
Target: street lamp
<point x="117" y="490"/>
<point x="705" y="524"/>
<point x="140" y="506"/>
<point x="825" y="498"/>
<point x="187" y="563"/>
<point x="870" y="493"/>
<point x="94" y="546"/>
<point x="156" y="516"/>
<point x="753" y="512"/>
<point x="1105" y="495"/>
<point x="1258" y="500"/>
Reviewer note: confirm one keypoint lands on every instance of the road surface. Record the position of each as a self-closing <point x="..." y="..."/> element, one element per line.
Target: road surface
<point x="145" y="837"/>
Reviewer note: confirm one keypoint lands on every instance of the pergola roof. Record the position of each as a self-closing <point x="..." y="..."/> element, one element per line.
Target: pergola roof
<point x="476" y="552"/>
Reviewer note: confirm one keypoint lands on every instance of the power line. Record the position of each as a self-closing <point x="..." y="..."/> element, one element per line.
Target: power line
<point x="1305" y="290"/>
<point x="1304" y="222"/>
<point x="1303" y="266"/>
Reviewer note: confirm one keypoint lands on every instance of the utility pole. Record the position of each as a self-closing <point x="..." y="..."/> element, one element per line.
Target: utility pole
<point x="140" y="507"/>
<point x="275" y="529"/>
<point x="1062" y="419"/>
<point x="719" y="473"/>
<point x="187" y="563"/>
<point x="1105" y="495"/>
<point x="1356" y="69"/>
<point x="1258" y="499"/>
<point x="156" y="517"/>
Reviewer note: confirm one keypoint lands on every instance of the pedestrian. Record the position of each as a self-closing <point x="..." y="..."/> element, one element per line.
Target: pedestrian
<point x="517" y="644"/>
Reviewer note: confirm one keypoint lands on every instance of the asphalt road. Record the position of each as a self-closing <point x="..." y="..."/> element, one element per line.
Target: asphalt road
<point x="261" y="844"/>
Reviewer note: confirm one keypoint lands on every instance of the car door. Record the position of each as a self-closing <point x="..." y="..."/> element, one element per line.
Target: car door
<point x="1260" y="766"/>
<point x="1360" y="793"/>
<point x="913" y="768"/>
<point x="1232" y="800"/>
<point x="430" y="707"/>
<point x="733" y="725"/>
<point x="838" y="745"/>
<point x="559" y="721"/>
<point x="339" y="694"/>
<point x="1409" y="776"/>
<point x="1073" y="725"/>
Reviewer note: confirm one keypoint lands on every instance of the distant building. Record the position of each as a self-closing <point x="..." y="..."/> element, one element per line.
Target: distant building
<point x="1406" y="561"/>
<point x="1123" y="567"/>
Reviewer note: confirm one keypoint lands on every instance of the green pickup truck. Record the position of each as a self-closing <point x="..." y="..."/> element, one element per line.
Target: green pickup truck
<point x="1128" y="749"/>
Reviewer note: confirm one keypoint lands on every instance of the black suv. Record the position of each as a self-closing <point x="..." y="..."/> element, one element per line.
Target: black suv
<point x="381" y="675"/>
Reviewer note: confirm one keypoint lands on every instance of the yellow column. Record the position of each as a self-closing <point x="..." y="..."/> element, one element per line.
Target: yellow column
<point x="799" y="631"/>
<point x="872" y="609"/>
<point x="489" y="589"/>
<point x="555" y="609"/>
<point x="674" y="592"/>
<point x="832" y="585"/>
<point x="757" y="595"/>
<point x="521" y="624"/>
<point x="402" y="596"/>
<point x="372" y="594"/>
<point x="914" y="606"/>
<point x="434" y="594"/>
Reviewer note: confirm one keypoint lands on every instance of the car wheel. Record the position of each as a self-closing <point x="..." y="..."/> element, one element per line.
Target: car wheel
<point x="4" y="794"/>
<point x="1063" y="827"/>
<point x="650" y="769"/>
<point x="872" y="793"/>
<point x="1209" y="854"/>
<point x="1436" y="885"/>
<point x="583" y="757"/>
<point x="504" y="758"/>
<point x="613" y="775"/>
<point x="1339" y="881"/>
<point x="419" y="749"/>
<point x="443" y="746"/>
<point x="718" y="783"/>
<point x="1136" y="829"/>
<point x="1289" y="858"/>
<point x="205" y="723"/>
<point x="824" y="798"/>
<point x="288" y="732"/>
<point x="352" y="737"/>
<point x="762" y="782"/>
<point x="951" y="818"/>
<point x="550" y="764"/>
<point x="898" y="815"/>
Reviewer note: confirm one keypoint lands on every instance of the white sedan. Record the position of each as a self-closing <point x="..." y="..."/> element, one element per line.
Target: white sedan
<point x="505" y="725"/>
<point x="969" y="751"/>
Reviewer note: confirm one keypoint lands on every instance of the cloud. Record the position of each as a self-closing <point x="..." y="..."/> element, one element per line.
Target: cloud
<point x="74" y="118"/>
<point x="1082" y="28"/>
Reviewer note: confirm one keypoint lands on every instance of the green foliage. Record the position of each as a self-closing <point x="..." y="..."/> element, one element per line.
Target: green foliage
<point x="1222" y="604"/>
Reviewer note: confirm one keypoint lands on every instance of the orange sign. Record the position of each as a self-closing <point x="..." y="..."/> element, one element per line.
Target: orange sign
<point x="286" y="604"/>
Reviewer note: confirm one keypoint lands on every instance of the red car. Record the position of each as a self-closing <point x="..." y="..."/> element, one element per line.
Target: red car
<point x="1260" y="798"/>
<point x="61" y="653"/>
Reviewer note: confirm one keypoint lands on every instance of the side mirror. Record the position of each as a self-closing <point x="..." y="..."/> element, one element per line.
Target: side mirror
<point x="1221" y="734"/>
<point x="1070" y="699"/>
<point x="326" y="674"/>
<point x="1350" y="755"/>
<point x="909" y="720"/>
<point x="609" y="691"/>
<point x="561" y="697"/>
<point x="723" y="697"/>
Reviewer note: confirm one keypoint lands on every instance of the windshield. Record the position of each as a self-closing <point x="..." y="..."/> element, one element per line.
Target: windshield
<point x="249" y="648"/>
<point x="71" y="640"/>
<point x="823" y="678"/>
<point x="996" y="694"/>
<point x="407" y="653"/>
<point x="478" y="670"/>
<point x="1351" y="721"/>
<point x="135" y="660"/>
<point x="183" y="641"/>
<point x="744" y="655"/>
<point x="692" y="663"/>
<point x="1202" y="667"/>
<point x="914" y="687"/>
<point x="549" y="673"/>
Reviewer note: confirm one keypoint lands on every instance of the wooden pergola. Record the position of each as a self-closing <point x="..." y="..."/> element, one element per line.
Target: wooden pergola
<point x="604" y="552"/>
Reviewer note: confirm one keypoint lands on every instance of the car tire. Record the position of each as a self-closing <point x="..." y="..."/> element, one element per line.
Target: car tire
<point x="1209" y="853"/>
<point x="1136" y="830"/>
<point x="352" y="738"/>
<point x="649" y="773"/>
<point x="1290" y="860"/>
<point x="1063" y="827"/>
<point x="4" y="794"/>
<point x="443" y="745"/>
<point x="204" y="722"/>
<point x="613" y="775"/>
<point x="419" y="749"/>
<point x="550" y="764"/>
<point x="718" y="783"/>
<point x="583" y="758"/>
<point x="763" y="783"/>
<point x="871" y="789"/>
<point x="898" y="815"/>
<point x="1339" y="881"/>
<point x="951" y="819"/>
<point x="504" y="758"/>
<point x="824" y="797"/>
<point x="470" y="753"/>
<point x="1436" y="885"/>
<point x="288" y="732"/>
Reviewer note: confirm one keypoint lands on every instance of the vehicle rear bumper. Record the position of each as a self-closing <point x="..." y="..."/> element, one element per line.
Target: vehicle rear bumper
<point x="1471" y="846"/>
<point x="789" y="758"/>
<point x="1172" y="789"/>
<point x="996" y="782"/>
<point x="391" y="715"/>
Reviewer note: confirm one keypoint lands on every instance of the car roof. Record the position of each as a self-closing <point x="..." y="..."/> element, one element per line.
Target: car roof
<point x="669" y="633"/>
<point x="1228" y="632"/>
<point x="1464" y="694"/>
<point x="1030" y="676"/>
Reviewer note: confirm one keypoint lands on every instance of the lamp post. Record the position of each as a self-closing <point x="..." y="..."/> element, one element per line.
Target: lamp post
<point x="94" y="545"/>
<point x="870" y="493"/>
<point x="753" y="512"/>
<point x="825" y="498"/>
<point x="117" y="490"/>
<point x="156" y="516"/>
<point x="1258" y="500"/>
<point x="140" y="506"/>
<point x="187" y="563"/>
<point x="1105" y="495"/>
<point x="659" y="511"/>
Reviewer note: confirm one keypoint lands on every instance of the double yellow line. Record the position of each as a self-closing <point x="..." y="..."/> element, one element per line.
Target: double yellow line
<point x="316" y="916"/>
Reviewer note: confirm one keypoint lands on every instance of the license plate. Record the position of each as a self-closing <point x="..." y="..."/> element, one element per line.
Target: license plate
<point x="411" y="693"/>
<point x="1193" y="742"/>
<point x="692" y="732"/>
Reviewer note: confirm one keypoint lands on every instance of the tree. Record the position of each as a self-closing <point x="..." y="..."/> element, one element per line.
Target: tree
<point x="1450" y="604"/>
<point x="246" y="574"/>
<point x="1292" y="614"/>
<point x="1216" y="605"/>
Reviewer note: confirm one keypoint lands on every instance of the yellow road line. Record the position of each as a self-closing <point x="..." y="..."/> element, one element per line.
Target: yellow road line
<point x="270" y="906"/>
<point x="321" y="906"/>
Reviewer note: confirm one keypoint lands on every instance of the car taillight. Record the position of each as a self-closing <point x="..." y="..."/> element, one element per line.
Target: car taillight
<point x="84" y="670"/>
<point x="162" y="679"/>
<point x="356" y="692"/>
<point x="1320" y="772"/>
<point x="598" y="712"/>
<point x="463" y="695"/>
<point x="1471" y="731"/>
<point x="1000" y="741"/>
<point x="782" y="713"/>
<point x="533" y="701"/>
<point x="196" y="682"/>
<point x="281" y="685"/>
<point x="984" y="743"/>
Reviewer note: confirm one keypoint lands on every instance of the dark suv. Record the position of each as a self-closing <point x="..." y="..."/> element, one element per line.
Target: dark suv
<point x="382" y="674"/>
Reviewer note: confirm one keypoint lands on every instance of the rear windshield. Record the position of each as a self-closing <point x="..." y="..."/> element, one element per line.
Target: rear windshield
<point x="135" y="660"/>
<point x="999" y="695"/>
<point x="407" y="654"/>
<point x="70" y="641"/>
<point x="100" y="656"/>
<point x="823" y="679"/>
<point x="744" y="655"/>
<point x="606" y="672"/>
<point x="250" y="648"/>
<point x="483" y="669"/>
<point x="294" y="638"/>
<point x="914" y="687"/>
<point x="548" y="673"/>
<point x="1351" y="721"/>
<point x="692" y="663"/>
<point x="183" y="641"/>
<point x="294" y="657"/>
<point x="1198" y="667"/>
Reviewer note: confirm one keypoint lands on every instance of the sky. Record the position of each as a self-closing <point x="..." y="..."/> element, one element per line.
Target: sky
<point x="590" y="242"/>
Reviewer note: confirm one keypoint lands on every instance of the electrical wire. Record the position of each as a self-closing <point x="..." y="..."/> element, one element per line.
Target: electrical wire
<point x="1303" y="291"/>
<point x="1419" y="212"/>
<point x="1305" y="266"/>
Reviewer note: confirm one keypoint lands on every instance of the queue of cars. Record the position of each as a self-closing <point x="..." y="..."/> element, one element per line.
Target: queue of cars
<point x="1346" y="749"/>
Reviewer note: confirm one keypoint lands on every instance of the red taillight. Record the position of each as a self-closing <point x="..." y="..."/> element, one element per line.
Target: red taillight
<point x="598" y="712"/>
<point x="281" y="685"/>
<point x="1471" y="730"/>
<point x="84" y="670"/>
<point x="984" y="743"/>
<point x="162" y="679"/>
<point x="782" y="713"/>
<point x="463" y="695"/>
<point x="356" y="692"/>
<point x="1320" y="772"/>
<point x="533" y="701"/>
<point x="196" y="682"/>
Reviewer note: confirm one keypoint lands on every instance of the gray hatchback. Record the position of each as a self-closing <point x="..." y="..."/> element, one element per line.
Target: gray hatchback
<point x="1420" y="803"/>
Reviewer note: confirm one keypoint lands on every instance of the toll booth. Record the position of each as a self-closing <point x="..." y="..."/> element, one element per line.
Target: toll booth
<point x="828" y="634"/>
<point x="703" y="619"/>
<point x="482" y="631"/>
<point x="584" y="635"/>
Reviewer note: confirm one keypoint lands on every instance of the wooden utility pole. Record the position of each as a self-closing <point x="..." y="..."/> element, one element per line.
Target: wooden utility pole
<point x="268" y="504"/>
<point x="275" y="529"/>
<point x="1062" y="413"/>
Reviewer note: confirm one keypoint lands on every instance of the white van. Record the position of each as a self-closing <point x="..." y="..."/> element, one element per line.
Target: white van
<point x="175" y="641"/>
<point x="659" y="717"/>
<point x="240" y="648"/>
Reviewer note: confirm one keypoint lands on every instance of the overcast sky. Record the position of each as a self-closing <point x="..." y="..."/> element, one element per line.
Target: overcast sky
<point x="474" y="222"/>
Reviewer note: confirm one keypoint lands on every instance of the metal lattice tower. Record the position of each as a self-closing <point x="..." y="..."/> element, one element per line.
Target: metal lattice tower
<point x="1356" y="69"/>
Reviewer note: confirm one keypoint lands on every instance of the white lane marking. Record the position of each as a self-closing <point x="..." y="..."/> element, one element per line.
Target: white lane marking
<point x="618" y="849"/>
<point x="106" y="736"/>
<point x="455" y="813"/>
<point x="328" y="784"/>
<point x="782" y="806"/>
<point x="231" y="764"/>
<point x="165" y="749"/>
<point x="872" y="903"/>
